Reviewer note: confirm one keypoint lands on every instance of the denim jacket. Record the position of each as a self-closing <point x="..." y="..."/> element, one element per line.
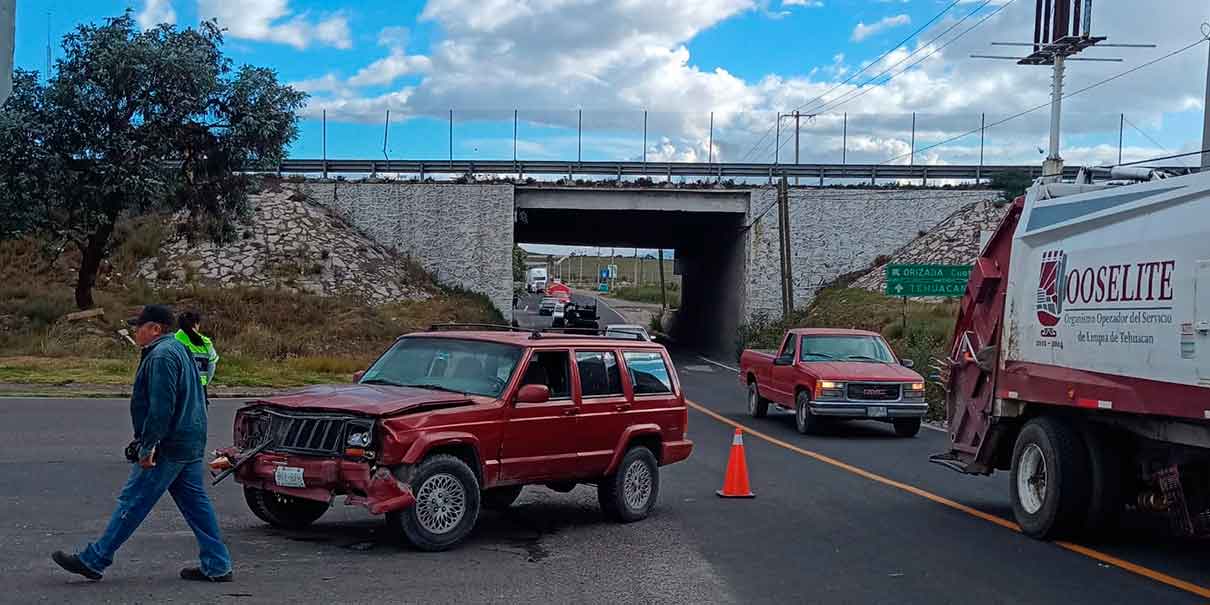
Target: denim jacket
<point x="167" y="404"/>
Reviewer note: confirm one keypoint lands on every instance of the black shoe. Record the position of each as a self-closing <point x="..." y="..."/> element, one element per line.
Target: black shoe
<point x="195" y="574"/>
<point x="73" y="564"/>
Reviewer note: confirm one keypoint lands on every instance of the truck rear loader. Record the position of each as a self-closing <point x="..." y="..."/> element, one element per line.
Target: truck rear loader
<point x="1080" y="361"/>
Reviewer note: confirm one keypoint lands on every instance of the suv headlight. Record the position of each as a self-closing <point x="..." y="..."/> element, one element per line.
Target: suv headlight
<point x="914" y="390"/>
<point x="359" y="439"/>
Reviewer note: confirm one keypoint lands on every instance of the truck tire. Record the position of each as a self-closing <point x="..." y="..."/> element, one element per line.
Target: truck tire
<point x="1049" y="481"/>
<point x="630" y="493"/>
<point x="758" y="407"/>
<point x="806" y="422"/>
<point x="446" y="507"/>
<point x="1109" y="478"/>
<point x="500" y="498"/>
<point x="907" y="427"/>
<point x="283" y="511"/>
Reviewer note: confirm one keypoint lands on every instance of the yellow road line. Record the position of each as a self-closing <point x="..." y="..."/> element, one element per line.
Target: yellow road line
<point x="1163" y="578"/>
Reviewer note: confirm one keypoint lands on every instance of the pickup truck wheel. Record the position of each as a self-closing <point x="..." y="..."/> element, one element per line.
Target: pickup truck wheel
<point x="446" y="507"/>
<point x="281" y="510"/>
<point x="806" y="422"/>
<point x="758" y="407"/>
<point x="1049" y="483"/>
<point x="500" y="498"/>
<point x="907" y="427"/>
<point x="631" y="492"/>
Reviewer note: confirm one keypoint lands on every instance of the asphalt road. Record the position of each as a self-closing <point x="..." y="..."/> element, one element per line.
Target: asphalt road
<point x="526" y="311"/>
<point x="816" y="532"/>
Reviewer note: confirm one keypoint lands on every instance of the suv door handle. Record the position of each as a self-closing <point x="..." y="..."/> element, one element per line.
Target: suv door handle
<point x="621" y="407"/>
<point x="571" y="411"/>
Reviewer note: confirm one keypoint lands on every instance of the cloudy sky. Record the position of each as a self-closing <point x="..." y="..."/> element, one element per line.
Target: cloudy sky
<point x="680" y="60"/>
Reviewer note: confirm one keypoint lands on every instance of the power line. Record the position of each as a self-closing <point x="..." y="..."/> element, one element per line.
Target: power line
<point x="1048" y="103"/>
<point x="859" y="91"/>
<point x="856" y="73"/>
<point x="1147" y="136"/>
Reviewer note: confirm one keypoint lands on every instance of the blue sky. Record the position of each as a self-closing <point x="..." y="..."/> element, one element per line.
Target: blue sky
<point x="744" y="60"/>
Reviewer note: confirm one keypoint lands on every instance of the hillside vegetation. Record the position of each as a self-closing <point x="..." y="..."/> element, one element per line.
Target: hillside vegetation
<point x="267" y="336"/>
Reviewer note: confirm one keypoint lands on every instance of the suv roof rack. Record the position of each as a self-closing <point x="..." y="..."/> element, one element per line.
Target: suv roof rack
<point x="599" y="332"/>
<point x="475" y="326"/>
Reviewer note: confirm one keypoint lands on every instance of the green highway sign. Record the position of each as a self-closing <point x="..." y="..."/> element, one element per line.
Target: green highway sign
<point x="927" y="280"/>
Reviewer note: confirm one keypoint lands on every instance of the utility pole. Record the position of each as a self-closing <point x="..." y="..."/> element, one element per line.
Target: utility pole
<point x="912" y="158"/>
<point x="324" y="130"/>
<point x="8" y="11"/>
<point x="796" y="142"/>
<point x="1206" y="117"/>
<point x="1053" y="166"/>
<point x="777" y="139"/>
<point x="844" y="140"/>
<point x="1121" y="132"/>
<point x="710" y="142"/>
<point x="636" y="267"/>
<point x="451" y="137"/>
<point x="644" y="138"/>
<point x="514" y="136"/>
<point x="783" y="228"/>
<point x="663" y="291"/>
<point x="1062" y="29"/>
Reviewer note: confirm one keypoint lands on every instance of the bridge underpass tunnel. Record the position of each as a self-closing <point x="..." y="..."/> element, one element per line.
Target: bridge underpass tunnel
<point x="704" y="227"/>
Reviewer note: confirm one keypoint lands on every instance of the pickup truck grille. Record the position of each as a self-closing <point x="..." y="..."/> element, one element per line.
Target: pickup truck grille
<point x="864" y="391"/>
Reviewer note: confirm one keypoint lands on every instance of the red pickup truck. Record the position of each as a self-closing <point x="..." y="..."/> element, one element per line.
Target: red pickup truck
<point x="829" y="373"/>
<point x="446" y="422"/>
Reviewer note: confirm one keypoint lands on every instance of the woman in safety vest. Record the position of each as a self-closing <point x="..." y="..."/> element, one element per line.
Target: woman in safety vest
<point x="200" y="347"/>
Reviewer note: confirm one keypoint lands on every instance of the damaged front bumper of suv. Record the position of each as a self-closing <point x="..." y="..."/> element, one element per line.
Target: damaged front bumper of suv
<point x="313" y="455"/>
<point x="361" y="483"/>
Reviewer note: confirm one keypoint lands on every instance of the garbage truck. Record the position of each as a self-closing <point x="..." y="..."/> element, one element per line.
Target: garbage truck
<point x="1080" y="360"/>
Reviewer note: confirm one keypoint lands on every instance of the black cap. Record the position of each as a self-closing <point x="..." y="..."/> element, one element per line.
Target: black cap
<point x="159" y="314"/>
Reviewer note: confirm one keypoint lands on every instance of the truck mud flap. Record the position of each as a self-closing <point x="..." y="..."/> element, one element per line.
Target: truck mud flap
<point x="951" y="461"/>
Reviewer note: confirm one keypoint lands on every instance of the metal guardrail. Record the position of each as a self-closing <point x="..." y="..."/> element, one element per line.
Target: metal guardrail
<point x="656" y="170"/>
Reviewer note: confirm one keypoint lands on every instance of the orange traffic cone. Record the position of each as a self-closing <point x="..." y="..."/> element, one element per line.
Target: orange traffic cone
<point x="735" y="484"/>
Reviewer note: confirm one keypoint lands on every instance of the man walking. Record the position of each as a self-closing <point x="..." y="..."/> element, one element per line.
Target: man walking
<point x="168" y="411"/>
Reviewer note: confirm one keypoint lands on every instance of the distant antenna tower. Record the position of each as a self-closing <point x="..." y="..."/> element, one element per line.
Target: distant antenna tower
<point x="1061" y="30"/>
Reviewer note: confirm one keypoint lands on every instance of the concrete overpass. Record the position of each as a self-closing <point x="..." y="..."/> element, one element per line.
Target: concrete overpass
<point x="727" y="240"/>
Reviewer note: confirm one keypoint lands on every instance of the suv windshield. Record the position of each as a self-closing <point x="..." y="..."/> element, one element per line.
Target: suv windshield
<point x="446" y="364"/>
<point x="845" y="348"/>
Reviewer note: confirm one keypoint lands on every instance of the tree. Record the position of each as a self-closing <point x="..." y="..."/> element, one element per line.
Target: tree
<point x="134" y="122"/>
<point x="1011" y="184"/>
<point x="518" y="263"/>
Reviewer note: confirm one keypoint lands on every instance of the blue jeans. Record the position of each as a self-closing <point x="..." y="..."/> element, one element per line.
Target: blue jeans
<point x="187" y="484"/>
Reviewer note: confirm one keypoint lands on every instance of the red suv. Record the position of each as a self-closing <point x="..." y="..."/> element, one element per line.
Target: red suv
<point x="447" y="422"/>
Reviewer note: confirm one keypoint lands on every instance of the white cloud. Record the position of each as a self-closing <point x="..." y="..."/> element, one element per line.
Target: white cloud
<point x="863" y="31"/>
<point x="273" y="21"/>
<point x="390" y="68"/>
<point x="156" y="12"/>
<point x="393" y="37"/>
<point x="806" y="3"/>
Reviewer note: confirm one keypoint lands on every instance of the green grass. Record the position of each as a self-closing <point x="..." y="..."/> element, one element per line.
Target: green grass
<point x="648" y="294"/>
<point x="927" y="334"/>
<point x="232" y="371"/>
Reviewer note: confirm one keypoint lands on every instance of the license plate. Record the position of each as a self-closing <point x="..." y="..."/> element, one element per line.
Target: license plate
<point x="876" y="412"/>
<point x="289" y="476"/>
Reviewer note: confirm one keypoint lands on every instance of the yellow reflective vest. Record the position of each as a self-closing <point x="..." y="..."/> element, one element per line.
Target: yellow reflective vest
<point x="204" y="356"/>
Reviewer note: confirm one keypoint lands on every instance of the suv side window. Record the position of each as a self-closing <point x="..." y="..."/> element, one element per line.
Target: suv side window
<point x="552" y="369"/>
<point x="790" y="346"/>
<point x="599" y="373"/>
<point x="648" y="373"/>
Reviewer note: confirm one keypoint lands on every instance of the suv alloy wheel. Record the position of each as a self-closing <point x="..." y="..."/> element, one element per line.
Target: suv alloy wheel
<point x="446" y="507"/>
